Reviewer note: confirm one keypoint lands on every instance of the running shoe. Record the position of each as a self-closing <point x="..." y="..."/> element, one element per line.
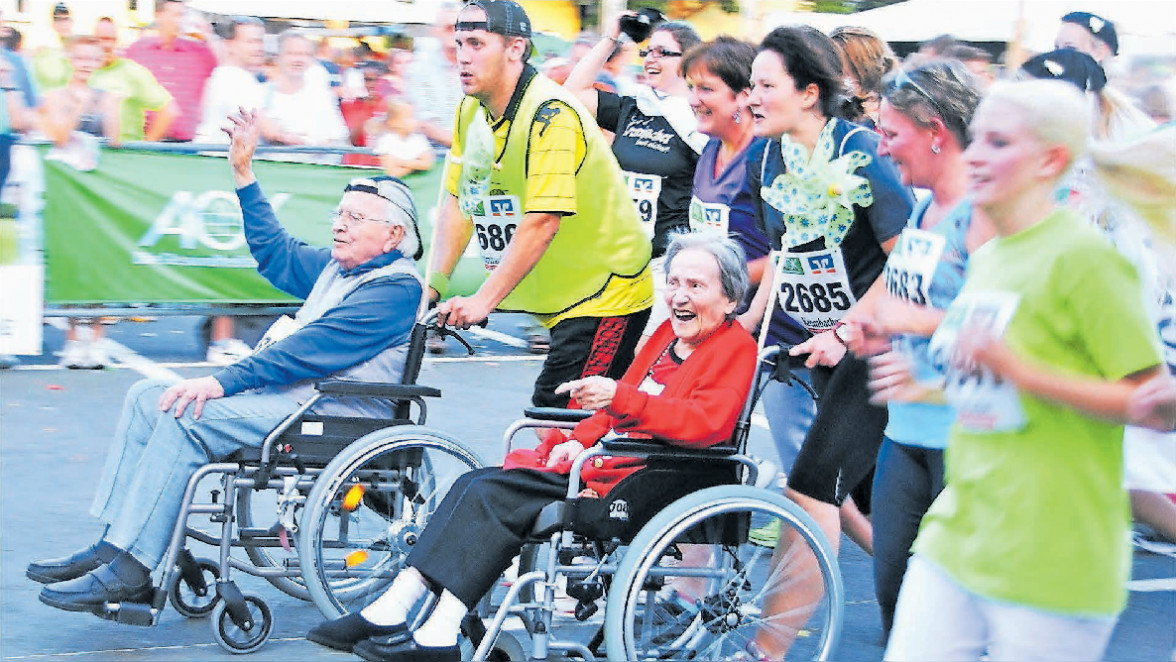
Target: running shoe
<point x="227" y="352"/>
<point x="767" y="535"/>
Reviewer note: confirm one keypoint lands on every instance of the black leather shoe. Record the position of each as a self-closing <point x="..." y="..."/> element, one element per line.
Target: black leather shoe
<point x="93" y="590"/>
<point x="347" y="630"/>
<point x="382" y="649"/>
<point x="70" y="567"/>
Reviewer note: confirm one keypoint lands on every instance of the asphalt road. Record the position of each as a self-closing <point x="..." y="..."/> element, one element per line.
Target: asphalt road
<point x="55" y="426"/>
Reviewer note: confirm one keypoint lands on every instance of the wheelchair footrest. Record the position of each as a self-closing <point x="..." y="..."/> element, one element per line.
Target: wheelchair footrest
<point x="130" y="613"/>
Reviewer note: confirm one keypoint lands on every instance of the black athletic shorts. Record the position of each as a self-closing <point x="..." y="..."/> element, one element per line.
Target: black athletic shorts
<point x="586" y="346"/>
<point x="838" y="455"/>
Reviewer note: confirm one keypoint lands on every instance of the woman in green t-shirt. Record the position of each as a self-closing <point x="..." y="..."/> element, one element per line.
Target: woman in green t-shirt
<point x="1024" y="554"/>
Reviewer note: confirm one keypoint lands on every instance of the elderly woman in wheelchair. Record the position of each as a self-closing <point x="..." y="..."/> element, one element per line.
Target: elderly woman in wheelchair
<point x="687" y="386"/>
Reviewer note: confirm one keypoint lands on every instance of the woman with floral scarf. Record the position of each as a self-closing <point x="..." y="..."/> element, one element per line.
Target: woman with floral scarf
<point x="832" y="210"/>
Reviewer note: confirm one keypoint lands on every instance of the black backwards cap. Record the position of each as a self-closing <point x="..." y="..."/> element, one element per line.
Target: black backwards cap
<point x="504" y="17"/>
<point x="395" y="191"/>
<point x="1067" y="64"/>
<point x="1096" y="25"/>
<point x="60" y="10"/>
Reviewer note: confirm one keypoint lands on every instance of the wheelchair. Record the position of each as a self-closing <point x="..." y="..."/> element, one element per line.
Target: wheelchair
<point x="669" y="550"/>
<point x="261" y="493"/>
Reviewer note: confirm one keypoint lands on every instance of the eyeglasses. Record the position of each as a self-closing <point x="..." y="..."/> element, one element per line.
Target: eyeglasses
<point x="658" y="52"/>
<point x="351" y="218"/>
<point x="903" y="79"/>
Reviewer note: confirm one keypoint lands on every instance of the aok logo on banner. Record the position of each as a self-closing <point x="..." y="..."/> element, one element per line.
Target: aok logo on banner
<point x="199" y="230"/>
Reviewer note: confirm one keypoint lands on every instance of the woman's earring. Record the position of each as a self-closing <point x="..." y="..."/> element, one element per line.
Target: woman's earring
<point x="738" y="116"/>
<point x="934" y="148"/>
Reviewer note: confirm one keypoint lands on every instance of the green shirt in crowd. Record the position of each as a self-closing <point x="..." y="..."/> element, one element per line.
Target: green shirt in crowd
<point x="1038" y="516"/>
<point x="138" y="90"/>
<point x="51" y="68"/>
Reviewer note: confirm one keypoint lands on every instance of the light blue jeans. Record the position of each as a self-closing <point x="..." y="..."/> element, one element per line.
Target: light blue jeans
<point x="153" y="455"/>
<point x="790" y="411"/>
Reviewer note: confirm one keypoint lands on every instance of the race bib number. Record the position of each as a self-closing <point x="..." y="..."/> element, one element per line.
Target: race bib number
<point x="709" y="216"/>
<point x="495" y="227"/>
<point x="984" y="402"/>
<point x="813" y="288"/>
<point x="910" y="268"/>
<point x="644" y="189"/>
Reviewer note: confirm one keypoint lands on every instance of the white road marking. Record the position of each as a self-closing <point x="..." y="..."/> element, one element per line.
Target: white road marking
<point x="498" y="337"/>
<point x="1152" y="585"/>
<point x="132" y="650"/>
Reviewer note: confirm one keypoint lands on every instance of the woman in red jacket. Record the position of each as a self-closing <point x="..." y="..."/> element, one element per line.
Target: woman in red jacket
<point x="686" y="386"/>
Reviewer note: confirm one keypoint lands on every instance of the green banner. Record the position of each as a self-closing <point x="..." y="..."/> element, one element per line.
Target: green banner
<point x="166" y="228"/>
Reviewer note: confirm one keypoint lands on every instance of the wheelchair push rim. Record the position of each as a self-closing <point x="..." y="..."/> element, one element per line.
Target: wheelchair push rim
<point x="694" y="586"/>
<point x="367" y="508"/>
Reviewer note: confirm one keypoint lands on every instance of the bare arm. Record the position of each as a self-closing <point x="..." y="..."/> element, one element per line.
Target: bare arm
<point x="111" y="117"/>
<point x="449" y="240"/>
<point x="60" y="115"/>
<point x="1096" y="397"/>
<point x="437" y="133"/>
<point x="163" y="121"/>
<point x="582" y="77"/>
<point x="530" y="241"/>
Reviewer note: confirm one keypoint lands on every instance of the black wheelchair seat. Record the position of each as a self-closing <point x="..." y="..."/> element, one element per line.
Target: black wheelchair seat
<point x="315" y="439"/>
<point x="636" y="498"/>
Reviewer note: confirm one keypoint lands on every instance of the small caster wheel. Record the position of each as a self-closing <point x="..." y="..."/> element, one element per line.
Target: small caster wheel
<point x="239" y="640"/>
<point x="506" y="649"/>
<point x="192" y="602"/>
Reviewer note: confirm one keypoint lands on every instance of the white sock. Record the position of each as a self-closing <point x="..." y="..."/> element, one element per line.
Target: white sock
<point x="393" y="606"/>
<point x="444" y="623"/>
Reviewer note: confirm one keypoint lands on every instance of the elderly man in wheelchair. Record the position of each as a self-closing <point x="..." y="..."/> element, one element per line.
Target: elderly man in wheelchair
<point x="361" y="296"/>
<point x="688" y="385"/>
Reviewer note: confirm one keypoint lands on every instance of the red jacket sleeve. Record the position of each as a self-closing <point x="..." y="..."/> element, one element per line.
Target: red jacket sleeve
<point x="704" y="412"/>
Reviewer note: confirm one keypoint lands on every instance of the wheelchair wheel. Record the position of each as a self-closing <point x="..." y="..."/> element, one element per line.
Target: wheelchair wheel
<point x="693" y="585"/>
<point x="367" y="508"/>
<point x="255" y="508"/>
<point x="186" y="600"/>
<point x="237" y="639"/>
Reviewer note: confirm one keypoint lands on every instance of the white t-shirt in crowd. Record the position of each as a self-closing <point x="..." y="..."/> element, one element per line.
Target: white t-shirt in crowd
<point x="227" y="89"/>
<point x="312" y="113"/>
<point x="403" y="147"/>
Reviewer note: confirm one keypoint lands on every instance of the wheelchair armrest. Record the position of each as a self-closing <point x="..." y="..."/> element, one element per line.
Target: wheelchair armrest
<point x="376" y="389"/>
<point x="557" y="414"/>
<point x="656" y="448"/>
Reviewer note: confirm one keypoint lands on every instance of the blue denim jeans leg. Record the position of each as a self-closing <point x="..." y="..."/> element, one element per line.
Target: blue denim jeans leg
<point x="153" y="455"/>
<point x="790" y="411"/>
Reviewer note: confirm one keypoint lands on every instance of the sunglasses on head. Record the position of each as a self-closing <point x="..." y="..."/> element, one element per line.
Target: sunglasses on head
<point x="903" y="79"/>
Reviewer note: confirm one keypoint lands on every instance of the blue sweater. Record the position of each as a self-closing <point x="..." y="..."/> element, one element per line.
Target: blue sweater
<point x="375" y="316"/>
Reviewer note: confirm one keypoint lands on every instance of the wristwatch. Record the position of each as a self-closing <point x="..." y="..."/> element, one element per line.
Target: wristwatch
<point x="841" y="332"/>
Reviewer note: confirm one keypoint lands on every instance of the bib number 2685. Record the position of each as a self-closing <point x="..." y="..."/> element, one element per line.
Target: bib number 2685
<point x="814" y="297"/>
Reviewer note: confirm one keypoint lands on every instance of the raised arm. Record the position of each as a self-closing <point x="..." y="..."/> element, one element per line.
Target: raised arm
<point x="583" y="76"/>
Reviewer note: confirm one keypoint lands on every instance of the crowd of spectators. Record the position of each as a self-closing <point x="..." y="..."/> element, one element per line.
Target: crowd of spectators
<point x="182" y="78"/>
